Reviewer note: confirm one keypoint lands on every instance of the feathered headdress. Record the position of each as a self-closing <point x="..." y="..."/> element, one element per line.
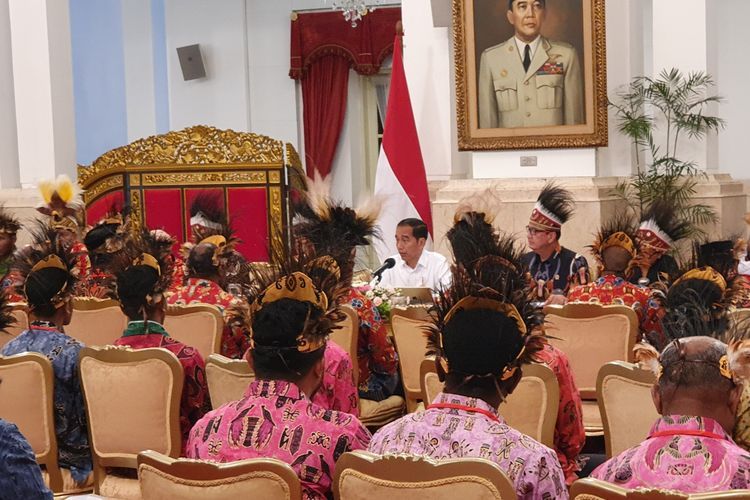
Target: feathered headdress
<point x="305" y="278"/>
<point x="660" y="228"/>
<point x="61" y="199"/>
<point x="512" y="347"/>
<point x="207" y="215"/>
<point x="553" y="208"/>
<point x="719" y="255"/>
<point x="488" y="275"/>
<point x="331" y="227"/>
<point x="44" y="252"/>
<point x="619" y="231"/>
<point x="8" y="222"/>
<point x="110" y="234"/>
<point x="144" y="249"/>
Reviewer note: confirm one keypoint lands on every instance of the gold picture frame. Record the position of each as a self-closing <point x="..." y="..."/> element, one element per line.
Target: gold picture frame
<point x="530" y="109"/>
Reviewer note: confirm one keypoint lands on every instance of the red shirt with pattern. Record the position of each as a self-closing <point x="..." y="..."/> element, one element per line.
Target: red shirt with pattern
<point x="235" y="340"/>
<point x="374" y="349"/>
<point x="569" y="432"/>
<point x="337" y="391"/>
<point x="82" y="266"/>
<point x="610" y="289"/>
<point x="194" y="402"/>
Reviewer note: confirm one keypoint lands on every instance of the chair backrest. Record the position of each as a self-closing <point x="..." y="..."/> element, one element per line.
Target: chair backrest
<point x="532" y="407"/>
<point x="227" y="379"/>
<point x="162" y="477"/>
<point x="418" y="312"/>
<point x="411" y="345"/>
<point x="18" y="312"/>
<point x="429" y="381"/>
<point x="592" y="335"/>
<point x="347" y="336"/>
<point x="361" y="475"/>
<point x="132" y="399"/>
<point x="594" y="489"/>
<point x="96" y="322"/>
<point x="27" y="400"/>
<point x="197" y="325"/>
<point x="628" y="412"/>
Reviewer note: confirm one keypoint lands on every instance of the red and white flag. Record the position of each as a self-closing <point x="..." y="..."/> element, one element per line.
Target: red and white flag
<point x="400" y="179"/>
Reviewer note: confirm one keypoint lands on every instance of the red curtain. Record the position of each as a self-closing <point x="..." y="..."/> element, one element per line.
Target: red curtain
<point x="324" y="90"/>
<point x="323" y="48"/>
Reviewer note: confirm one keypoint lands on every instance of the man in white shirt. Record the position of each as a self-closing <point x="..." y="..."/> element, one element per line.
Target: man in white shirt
<point x="415" y="266"/>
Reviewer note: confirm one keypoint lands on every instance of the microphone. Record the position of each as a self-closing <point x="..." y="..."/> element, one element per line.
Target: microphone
<point x="387" y="264"/>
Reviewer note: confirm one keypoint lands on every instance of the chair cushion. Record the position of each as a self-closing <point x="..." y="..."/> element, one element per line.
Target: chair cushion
<point x="592" y="418"/>
<point x="374" y="413"/>
<point x="354" y="485"/>
<point x="123" y="488"/>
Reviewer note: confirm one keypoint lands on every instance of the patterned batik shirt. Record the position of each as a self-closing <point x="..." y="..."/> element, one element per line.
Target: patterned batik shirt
<point x="682" y="453"/>
<point x="563" y="269"/>
<point x="337" y="391"/>
<point x="234" y="340"/>
<point x="194" y="402"/>
<point x="20" y="475"/>
<point x="275" y="419"/>
<point x="456" y="426"/>
<point x="375" y="352"/>
<point x="570" y="435"/>
<point x="70" y="414"/>
<point x="610" y="289"/>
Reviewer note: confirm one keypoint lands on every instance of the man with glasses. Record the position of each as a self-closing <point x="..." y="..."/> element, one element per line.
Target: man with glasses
<point x="552" y="268"/>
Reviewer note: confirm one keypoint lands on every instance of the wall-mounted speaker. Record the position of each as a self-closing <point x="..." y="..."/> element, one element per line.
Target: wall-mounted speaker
<point x="191" y="62"/>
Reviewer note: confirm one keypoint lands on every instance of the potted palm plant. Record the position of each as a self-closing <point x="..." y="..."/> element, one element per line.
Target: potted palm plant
<point x="655" y="113"/>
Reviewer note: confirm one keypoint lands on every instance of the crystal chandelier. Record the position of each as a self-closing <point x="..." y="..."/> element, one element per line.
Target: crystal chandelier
<point x="354" y="10"/>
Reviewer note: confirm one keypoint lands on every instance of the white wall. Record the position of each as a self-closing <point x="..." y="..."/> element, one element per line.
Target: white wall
<point x="221" y="99"/>
<point x="139" y="68"/>
<point x="733" y="78"/>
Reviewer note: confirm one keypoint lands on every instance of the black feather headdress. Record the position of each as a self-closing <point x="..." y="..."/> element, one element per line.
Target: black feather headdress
<point x="553" y="208"/>
<point x="331" y="227"/>
<point x="207" y="216"/>
<point x="6" y="316"/>
<point x="8" y="222"/>
<point x="44" y="257"/>
<point x="618" y="231"/>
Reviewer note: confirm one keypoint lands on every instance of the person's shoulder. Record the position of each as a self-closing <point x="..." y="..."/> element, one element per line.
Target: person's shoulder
<point x="336" y="422"/>
<point x="558" y="45"/>
<point x="498" y="49"/>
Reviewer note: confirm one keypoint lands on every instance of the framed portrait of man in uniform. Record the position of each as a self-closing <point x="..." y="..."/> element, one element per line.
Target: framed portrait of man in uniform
<point x="530" y="74"/>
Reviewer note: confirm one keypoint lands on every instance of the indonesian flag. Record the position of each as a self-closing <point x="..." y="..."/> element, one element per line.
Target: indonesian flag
<point x="400" y="178"/>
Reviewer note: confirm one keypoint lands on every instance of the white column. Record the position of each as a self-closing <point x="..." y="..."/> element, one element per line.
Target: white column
<point x="9" y="174"/>
<point x="683" y="42"/>
<point x="43" y="81"/>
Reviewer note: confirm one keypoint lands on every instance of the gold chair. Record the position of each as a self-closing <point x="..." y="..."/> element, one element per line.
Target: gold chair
<point x="411" y="345"/>
<point x="133" y="404"/>
<point x="19" y="312"/>
<point x="347" y="336"/>
<point x="27" y="400"/>
<point x="591" y="335"/>
<point x="96" y="322"/>
<point x="165" y="477"/>
<point x="628" y="412"/>
<point x="196" y="325"/>
<point x="530" y="409"/>
<point x="594" y="489"/>
<point x="361" y="475"/>
<point x="429" y="382"/>
<point x="227" y="379"/>
<point x="417" y="312"/>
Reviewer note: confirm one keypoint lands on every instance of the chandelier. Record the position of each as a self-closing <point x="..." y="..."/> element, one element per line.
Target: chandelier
<point x="354" y="10"/>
